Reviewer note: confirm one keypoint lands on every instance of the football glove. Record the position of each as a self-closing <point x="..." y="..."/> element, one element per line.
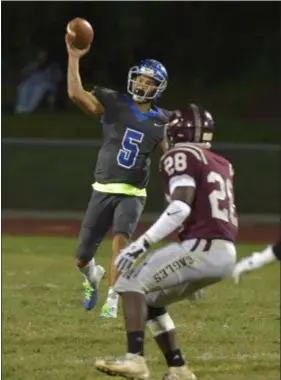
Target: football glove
<point x="128" y="256"/>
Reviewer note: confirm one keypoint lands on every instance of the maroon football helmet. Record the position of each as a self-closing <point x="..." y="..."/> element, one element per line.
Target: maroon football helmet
<point x="192" y="124"/>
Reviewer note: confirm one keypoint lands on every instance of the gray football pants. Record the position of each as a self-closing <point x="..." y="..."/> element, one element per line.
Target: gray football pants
<point x="178" y="271"/>
<point x="121" y="212"/>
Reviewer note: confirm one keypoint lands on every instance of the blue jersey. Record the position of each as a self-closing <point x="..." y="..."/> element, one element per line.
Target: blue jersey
<point x="129" y="138"/>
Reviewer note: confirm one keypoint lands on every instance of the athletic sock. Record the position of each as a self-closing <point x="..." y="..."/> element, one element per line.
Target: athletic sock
<point x="88" y="271"/>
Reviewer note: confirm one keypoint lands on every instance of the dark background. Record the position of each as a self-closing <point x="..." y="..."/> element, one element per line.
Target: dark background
<point x="213" y="42"/>
<point x="222" y="55"/>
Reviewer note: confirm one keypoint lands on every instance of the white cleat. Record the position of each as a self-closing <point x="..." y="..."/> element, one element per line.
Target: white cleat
<point x="244" y="266"/>
<point x="99" y="274"/>
<point x="132" y="367"/>
<point x="179" y="373"/>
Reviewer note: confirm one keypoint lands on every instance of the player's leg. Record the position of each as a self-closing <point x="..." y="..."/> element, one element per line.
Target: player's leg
<point x="257" y="260"/>
<point x="110" y="308"/>
<point x="188" y="291"/>
<point x="133" y="364"/>
<point x="127" y="213"/>
<point x="163" y="331"/>
<point x="169" y="267"/>
<point x="131" y="287"/>
<point x="96" y="222"/>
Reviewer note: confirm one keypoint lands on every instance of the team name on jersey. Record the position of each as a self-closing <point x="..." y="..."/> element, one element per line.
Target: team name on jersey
<point x="174" y="266"/>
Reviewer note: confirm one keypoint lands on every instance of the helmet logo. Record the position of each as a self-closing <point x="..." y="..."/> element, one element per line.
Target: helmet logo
<point x="146" y="71"/>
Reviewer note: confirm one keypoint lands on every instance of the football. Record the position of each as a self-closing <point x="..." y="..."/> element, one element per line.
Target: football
<point x="80" y="32"/>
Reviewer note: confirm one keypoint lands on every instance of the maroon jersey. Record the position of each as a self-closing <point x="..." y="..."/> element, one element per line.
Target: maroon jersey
<point x="213" y="212"/>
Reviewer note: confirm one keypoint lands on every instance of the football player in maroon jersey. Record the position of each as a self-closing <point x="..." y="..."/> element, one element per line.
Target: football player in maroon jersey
<point x="199" y="185"/>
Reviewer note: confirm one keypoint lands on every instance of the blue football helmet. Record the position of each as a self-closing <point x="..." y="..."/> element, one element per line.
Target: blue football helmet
<point x="152" y="69"/>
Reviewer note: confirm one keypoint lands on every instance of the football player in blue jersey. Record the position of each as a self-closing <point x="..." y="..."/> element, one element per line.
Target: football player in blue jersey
<point x="133" y="126"/>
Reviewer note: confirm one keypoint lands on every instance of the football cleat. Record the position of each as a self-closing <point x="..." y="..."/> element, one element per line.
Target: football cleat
<point x="131" y="367"/>
<point x="179" y="373"/>
<point x="91" y="289"/>
<point x="108" y="311"/>
<point x="244" y="266"/>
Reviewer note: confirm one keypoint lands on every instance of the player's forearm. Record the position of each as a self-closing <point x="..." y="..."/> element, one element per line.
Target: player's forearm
<point x="171" y="219"/>
<point x="163" y="146"/>
<point x="82" y="98"/>
<point x="74" y="83"/>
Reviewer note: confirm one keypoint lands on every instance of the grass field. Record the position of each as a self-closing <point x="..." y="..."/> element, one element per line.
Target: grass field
<point x="231" y="334"/>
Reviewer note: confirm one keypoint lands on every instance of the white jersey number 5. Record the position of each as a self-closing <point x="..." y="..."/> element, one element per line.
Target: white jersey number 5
<point x="225" y="192"/>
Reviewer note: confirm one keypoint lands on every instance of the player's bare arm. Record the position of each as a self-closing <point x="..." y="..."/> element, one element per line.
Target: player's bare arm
<point x="84" y="99"/>
<point x="184" y="194"/>
<point x="163" y="146"/>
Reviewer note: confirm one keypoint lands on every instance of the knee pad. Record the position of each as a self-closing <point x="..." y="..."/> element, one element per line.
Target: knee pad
<point x="159" y="321"/>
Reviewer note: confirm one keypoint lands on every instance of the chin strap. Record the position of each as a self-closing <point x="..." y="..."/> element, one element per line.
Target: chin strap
<point x="137" y="100"/>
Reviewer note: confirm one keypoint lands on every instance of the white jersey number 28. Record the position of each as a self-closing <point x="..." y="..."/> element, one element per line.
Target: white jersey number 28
<point x="178" y="163"/>
<point x="224" y="192"/>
